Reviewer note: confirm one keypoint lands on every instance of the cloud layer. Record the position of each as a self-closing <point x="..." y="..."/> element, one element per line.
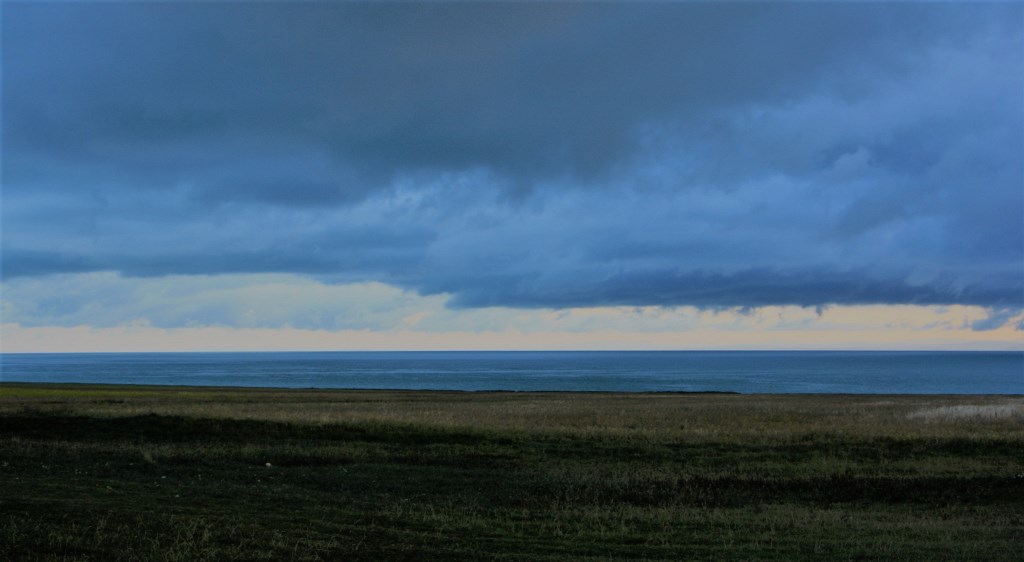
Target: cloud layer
<point x="105" y="312"/>
<point x="525" y="155"/>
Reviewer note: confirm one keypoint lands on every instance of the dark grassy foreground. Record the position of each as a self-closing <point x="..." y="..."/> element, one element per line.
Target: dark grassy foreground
<point x="133" y="473"/>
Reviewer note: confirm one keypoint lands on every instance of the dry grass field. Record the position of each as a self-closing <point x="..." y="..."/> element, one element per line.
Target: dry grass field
<point x="147" y="473"/>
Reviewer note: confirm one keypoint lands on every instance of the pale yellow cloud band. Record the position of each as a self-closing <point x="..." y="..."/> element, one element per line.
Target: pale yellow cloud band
<point x="106" y="312"/>
<point x="866" y="327"/>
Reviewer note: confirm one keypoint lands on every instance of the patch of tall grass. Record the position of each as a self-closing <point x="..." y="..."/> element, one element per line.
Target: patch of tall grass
<point x="1012" y="411"/>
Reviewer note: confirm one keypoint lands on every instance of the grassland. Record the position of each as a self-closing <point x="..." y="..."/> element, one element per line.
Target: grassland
<point x="137" y="473"/>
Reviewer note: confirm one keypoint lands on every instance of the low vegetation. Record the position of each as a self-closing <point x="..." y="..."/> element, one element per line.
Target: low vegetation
<point x="143" y="473"/>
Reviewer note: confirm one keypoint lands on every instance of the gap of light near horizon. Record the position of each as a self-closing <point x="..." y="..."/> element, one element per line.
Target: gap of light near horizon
<point x="240" y="176"/>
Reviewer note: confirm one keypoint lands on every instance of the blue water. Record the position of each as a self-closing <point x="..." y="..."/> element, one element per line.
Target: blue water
<point x="631" y="371"/>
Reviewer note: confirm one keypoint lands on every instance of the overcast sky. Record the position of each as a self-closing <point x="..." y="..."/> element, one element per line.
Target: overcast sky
<point x="470" y="168"/>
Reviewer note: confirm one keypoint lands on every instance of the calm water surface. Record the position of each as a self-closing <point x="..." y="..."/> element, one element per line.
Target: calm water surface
<point x="635" y="371"/>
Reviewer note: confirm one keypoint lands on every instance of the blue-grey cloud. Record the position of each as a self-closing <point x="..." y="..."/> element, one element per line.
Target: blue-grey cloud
<point x="997" y="318"/>
<point x="532" y="155"/>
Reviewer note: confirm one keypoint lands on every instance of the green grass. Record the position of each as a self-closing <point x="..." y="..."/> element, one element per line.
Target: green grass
<point x="135" y="473"/>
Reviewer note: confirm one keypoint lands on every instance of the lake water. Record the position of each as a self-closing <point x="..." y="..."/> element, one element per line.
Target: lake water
<point x="631" y="371"/>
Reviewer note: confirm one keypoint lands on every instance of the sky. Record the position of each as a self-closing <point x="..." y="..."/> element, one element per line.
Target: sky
<point x="573" y="175"/>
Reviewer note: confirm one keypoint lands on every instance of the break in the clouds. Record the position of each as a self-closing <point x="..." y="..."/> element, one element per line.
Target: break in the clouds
<point x="533" y="155"/>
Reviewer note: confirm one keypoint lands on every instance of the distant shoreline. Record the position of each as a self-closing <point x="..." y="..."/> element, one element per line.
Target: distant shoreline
<point x="158" y="388"/>
<point x="101" y="386"/>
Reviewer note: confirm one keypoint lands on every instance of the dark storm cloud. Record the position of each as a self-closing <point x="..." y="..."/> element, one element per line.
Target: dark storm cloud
<point x="563" y="154"/>
<point x="526" y="90"/>
<point x="744" y="289"/>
